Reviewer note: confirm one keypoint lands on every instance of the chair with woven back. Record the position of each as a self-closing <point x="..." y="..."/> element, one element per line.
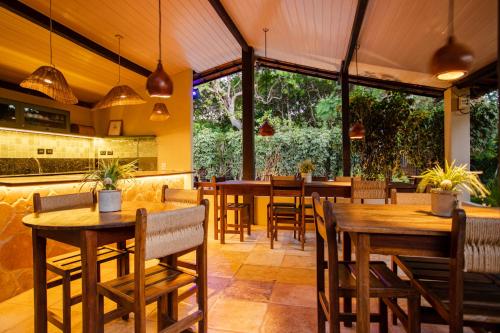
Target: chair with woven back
<point x="287" y="217"/>
<point x="341" y="280"/>
<point x="278" y="203"/>
<point x="368" y="190"/>
<point x="344" y="179"/>
<point x="163" y="235"/>
<point x="402" y="198"/>
<point x="210" y="188"/>
<point x="464" y="288"/>
<point x="68" y="266"/>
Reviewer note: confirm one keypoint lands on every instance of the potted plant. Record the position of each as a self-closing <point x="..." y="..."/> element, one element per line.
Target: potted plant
<point x="447" y="183"/>
<point x="306" y="168"/>
<point x="106" y="177"/>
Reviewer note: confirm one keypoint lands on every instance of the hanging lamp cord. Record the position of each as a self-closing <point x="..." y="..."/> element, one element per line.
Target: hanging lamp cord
<point x="50" y="32"/>
<point x="119" y="57"/>
<point x="451" y="9"/>
<point x="159" y="28"/>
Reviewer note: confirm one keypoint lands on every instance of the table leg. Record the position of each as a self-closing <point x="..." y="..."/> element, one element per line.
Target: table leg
<point x="89" y="280"/>
<point x="223" y="216"/>
<point x="40" y="281"/>
<point x="363" y="283"/>
<point x="346" y="255"/>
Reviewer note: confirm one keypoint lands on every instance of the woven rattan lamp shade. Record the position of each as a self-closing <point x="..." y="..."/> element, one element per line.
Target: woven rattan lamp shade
<point x="119" y="95"/>
<point x="160" y="112"/>
<point x="51" y="82"/>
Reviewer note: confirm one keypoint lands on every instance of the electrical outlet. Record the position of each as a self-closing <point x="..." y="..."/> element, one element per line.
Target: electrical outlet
<point x="49" y="151"/>
<point x="40" y="151"/>
<point x="102" y="152"/>
<point x="110" y="152"/>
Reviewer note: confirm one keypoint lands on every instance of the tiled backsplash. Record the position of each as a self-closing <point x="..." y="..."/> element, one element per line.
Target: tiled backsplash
<point x="27" y="152"/>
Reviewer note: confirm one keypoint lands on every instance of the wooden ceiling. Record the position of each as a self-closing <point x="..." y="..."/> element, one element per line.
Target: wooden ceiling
<point x="396" y="41"/>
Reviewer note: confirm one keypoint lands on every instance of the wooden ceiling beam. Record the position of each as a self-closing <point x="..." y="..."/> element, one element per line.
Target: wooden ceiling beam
<point x="296" y="68"/>
<point x="30" y="14"/>
<point x="231" y="26"/>
<point x="409" y="88"/>
<point x="486" y="72"/>
<point x="356" y="29"/>
<point x="217" y="72"/>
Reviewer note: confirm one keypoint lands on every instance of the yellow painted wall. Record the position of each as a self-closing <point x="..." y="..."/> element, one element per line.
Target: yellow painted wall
<point x="78" y="115"/>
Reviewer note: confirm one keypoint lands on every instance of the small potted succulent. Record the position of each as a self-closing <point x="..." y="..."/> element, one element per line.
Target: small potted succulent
<point x="306" y="168"/>
<point x="106" y="177"/>
<point x="447" y="183"/>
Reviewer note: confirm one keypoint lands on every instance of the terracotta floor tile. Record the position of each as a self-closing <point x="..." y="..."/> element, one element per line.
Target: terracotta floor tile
<point x="257" y="273"/>
<point x="290" y="319"/>
<point x="256" y="291"/>
<point x="294" y="294"/>
<point x="299" y="261"/>
<point x="265" y="258"/>
<point x="237" y="315"/>
<point x="296" y="275"/>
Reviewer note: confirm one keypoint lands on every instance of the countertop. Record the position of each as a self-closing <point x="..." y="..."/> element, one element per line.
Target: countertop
<point x="74" y="177"/>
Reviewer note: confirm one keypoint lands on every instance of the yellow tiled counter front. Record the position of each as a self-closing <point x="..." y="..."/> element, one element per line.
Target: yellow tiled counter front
<point x="15" y="239"/>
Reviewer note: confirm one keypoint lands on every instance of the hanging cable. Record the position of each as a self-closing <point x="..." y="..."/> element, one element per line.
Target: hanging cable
<point x="451" y="18"/>
<point x="50" y="31"/>
<point x="159" y="28"/>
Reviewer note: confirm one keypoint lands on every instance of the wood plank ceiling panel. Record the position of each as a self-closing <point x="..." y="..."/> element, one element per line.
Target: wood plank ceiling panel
<point x="399" y="37"/>
<point x="24" y="47"/>
<point x="307" y="32"/>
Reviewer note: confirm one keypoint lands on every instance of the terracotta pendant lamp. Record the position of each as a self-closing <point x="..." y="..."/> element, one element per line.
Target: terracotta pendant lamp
<point x="120" y="94"/>
<point x="159" y="83"/>
<point x="160" y="112"/>
<point x="357" y="131"/>
<point x="48" y="79"/>
<point x="266" y="129"/>
<point x="453" y="60"/>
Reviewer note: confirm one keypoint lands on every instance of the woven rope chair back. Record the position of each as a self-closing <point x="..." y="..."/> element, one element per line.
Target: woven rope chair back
<point x="182" y="198"/>
<point x="368" y="189"/>
<point x="410" y="198"/>
<point x="482" y="244"/>
<point x="173" y="231"/>
<point x="62" y="201"/>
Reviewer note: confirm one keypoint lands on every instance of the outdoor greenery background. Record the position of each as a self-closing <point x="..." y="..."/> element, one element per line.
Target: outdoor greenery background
<point x="404" y="133"/>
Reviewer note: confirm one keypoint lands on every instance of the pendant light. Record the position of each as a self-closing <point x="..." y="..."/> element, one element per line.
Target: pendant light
<point x="453" y="60"/>
<point x="48" y="79"/>
<point x="266" y="129"/>
<point x="357" y="130"/>
<point x="160" y="112"/>
<point x="120" y="94"/>
<point x="159" y="83"/>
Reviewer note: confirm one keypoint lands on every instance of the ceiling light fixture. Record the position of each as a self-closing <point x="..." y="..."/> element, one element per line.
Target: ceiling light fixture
<point x="453" y="60"/>
<point x="159" y="83"/>
<point x="160" y="112"/>
<point x="119" y="94"/>
<point x="266" y="129"/>
<point x="48" y="79"/>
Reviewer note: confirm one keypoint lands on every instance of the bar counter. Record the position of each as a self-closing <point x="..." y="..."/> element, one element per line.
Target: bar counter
<point x="16" y="201"/>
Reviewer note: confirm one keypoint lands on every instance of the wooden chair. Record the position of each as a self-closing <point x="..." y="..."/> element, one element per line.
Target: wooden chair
<point x="368" y="189"/>
<point x="463" y="289"/>
<point x="384" y="284"/>
<point x="346" y="179"/>
<point x="68" y="266"/>
<point x="163" y="236"/>
<point x="241" y="215"/>
<point x="210" y="188"/>
<point x="410" y="198"/>
<point x="279" y="204"/>
<point x="287" y="217"/>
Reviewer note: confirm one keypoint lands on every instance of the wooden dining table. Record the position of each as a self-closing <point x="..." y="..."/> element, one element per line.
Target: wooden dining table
<point x="253" y="188"/>
<point x="86" y="229"/>
<point x="392" y="230"/>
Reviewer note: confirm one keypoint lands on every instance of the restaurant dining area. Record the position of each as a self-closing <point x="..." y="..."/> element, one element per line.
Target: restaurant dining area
<point x="224" y="166"/>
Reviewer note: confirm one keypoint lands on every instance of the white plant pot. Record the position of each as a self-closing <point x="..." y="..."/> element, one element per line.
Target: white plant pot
<point x="443" y="202"/>
<point x="110" y="201"/>
<point x="307" y="177"/>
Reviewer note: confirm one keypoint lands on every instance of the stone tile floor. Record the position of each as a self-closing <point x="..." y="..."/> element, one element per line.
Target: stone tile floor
<point x="251" y="289"/>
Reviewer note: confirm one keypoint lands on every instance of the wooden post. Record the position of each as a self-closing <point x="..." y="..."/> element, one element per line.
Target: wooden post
<point x="346" y="141"/>
<point x="498" y="92"/>
<point x="248" y="140"/>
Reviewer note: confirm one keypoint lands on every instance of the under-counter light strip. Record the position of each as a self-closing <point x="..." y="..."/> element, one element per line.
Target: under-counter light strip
<point x="47" y="133"/>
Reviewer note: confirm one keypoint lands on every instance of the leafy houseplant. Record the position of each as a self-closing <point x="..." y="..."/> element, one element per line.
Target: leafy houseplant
<point x="106" y="177"/>
<point x="306" y="168"/>
<point x="447" y="183"/>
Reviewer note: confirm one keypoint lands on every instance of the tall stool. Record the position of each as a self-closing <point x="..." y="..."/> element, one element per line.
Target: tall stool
<point x="241" y="217"/>
<point x="69" y="265"/>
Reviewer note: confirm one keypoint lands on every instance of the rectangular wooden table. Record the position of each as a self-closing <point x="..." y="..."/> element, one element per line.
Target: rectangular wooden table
<point x="392" y="230"/>
<point x="253" y="188"/>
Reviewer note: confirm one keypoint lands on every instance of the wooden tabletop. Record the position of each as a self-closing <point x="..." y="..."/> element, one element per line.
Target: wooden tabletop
<point x="398" y="219"/>
<point x="268" y="183"/>
<point x="90" y="218"/>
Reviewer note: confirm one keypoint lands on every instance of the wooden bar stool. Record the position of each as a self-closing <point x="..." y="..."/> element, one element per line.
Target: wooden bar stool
<point x="341" y="278"/>
<point x="69" y="265"/>
<point x="210" y="188"/>
<point x="163" y="235"/>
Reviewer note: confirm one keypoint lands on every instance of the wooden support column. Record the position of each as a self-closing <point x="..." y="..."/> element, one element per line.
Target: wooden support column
<point x="346" y="141"/>
<point x="248" y="139"/>
<point x="498" y="92"/>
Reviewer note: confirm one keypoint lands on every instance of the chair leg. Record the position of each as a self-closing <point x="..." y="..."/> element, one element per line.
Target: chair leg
<point x="240" y="225"/>
<point x="161" y="313"/>
<point x="395" y="270"/>
<point x="383" y="324"/>
<point x="414" y="314"/>
<point x="249" y="223"/>
<point x="272" y="232"/>
<point x="100" y="313"/>
<point x="66" y="306"/>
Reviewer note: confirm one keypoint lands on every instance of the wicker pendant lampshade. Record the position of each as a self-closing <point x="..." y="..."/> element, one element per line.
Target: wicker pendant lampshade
<point x="453" y="60"/>
<point x="266" y="129"/>
<point x="160" y="112"/>
<point x="49" y="80"/>
<point x="120" y="94"/>
<point x="357" y="131"/>
<point x="159" y="83"/>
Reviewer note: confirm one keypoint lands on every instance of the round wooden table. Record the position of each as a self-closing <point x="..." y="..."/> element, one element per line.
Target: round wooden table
<point x="86" y="229"/>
